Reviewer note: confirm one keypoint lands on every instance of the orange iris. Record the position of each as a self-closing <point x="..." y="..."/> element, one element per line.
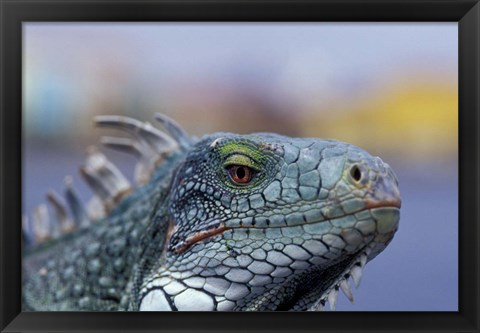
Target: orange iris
<point x="240" y="174"/>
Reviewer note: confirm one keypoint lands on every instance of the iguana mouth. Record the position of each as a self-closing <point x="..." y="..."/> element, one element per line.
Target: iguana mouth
<point x="391" y="203"/>
<point x="201" y="235"/>
<point x="215" y="229"/>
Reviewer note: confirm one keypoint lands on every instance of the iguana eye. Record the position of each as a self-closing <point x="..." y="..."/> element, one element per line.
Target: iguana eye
<point x="240" y="174"/>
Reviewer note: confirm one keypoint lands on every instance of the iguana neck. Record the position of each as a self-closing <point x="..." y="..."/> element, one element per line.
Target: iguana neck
<point x="76" y="271"/>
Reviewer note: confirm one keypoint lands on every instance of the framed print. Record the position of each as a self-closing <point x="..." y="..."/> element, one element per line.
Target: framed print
<point x="184" y="158"/>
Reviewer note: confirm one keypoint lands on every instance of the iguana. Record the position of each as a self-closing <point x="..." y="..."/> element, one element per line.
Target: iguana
<point x="227" y="222"/>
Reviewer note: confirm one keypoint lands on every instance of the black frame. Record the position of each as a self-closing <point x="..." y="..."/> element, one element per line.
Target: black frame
<point x="14" y="12"/>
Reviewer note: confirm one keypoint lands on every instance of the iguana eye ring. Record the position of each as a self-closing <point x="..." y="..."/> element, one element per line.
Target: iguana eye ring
<point x="240" y="174"/>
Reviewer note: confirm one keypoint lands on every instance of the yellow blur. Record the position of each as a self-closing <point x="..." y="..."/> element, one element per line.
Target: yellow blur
<point x="415" y="121"/>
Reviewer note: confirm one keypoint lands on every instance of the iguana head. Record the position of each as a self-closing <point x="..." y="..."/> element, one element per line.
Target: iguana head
<point x="268" y="222"/>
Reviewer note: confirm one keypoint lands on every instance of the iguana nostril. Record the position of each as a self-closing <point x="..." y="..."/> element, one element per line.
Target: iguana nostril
<point x="356" y="173"/>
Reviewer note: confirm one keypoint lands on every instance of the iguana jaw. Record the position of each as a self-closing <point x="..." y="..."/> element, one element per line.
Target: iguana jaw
<point x="333" y="276"/>
<point x="386" y="226"/>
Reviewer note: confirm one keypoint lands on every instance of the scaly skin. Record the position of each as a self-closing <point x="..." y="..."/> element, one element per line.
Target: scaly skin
<point x="311" y="214"/>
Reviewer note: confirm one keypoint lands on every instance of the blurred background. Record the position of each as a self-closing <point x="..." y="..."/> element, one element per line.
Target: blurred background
<point x="390" y="88"/>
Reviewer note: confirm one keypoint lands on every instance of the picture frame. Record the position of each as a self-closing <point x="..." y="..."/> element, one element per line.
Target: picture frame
<point x="15" y="13"/>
